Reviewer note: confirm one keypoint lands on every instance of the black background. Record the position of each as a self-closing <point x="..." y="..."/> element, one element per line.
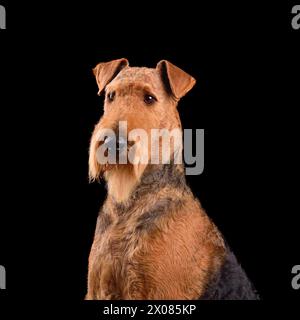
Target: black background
<point x="246" y="63"/>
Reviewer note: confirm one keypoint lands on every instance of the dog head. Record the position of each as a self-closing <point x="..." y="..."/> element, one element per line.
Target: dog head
<point x="139" y="112"/>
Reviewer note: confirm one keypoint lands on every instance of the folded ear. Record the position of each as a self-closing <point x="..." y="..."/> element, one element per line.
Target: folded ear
<point x="176" y="80"/>
<point x="106" y="71"/>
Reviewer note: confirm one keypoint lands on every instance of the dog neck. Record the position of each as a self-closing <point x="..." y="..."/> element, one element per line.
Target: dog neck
<point x="124" y="187"/>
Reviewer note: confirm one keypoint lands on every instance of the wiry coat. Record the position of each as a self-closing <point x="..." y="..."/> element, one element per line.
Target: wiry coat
<point x="162" y="245"/>
<point x="153" y="240"/>
<point x="159" y="245"/>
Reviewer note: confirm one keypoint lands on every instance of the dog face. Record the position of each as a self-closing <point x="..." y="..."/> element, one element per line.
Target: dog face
<point x="138" y="102"/>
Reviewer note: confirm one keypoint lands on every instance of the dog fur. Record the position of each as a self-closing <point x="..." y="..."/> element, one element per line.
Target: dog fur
<point x="153" y="240"/>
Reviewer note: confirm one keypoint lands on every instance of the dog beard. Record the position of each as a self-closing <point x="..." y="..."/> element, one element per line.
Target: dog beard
<point x="121" y="178"/>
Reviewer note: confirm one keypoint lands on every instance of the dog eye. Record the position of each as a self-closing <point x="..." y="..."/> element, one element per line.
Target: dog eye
<point x="111" y="96"/>
<point x="149" y="99"/>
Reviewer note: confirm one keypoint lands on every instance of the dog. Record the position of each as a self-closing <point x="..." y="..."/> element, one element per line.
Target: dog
<point x="153" y="240"/>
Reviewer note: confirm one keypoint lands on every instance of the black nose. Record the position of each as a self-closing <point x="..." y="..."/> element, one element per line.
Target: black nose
<point x="113" y="143"/>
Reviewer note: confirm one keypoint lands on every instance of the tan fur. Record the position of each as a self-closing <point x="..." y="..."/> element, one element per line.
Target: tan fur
<point x="176" y="255"/>
<point x="130" y="87"/>
<point x="121" y="182"/>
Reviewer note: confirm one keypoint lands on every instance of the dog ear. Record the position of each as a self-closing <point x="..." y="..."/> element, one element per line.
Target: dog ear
<point x="106" y="71"/>
<point x="177" y="81"/>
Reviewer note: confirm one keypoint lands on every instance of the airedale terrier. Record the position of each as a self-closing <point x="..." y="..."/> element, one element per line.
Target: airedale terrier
<point x="153" y="240"/>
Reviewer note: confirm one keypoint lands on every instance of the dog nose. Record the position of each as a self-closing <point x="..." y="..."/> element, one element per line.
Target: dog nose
<point x="115" y="144"/>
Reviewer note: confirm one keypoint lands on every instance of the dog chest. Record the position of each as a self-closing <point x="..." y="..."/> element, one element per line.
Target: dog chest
<point x="115" y="260"/>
